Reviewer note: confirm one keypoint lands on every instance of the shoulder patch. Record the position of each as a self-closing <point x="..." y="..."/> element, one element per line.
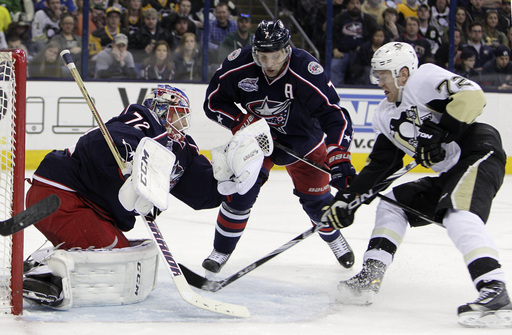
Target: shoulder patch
<point x="315" y="68"/>
<point x="232" y="56"/>
<point x="249" y="84"/>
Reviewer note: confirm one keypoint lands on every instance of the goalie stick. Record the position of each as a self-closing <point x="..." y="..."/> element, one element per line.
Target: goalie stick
<point x="29" y="216"/>
<point x="179" y="281"/>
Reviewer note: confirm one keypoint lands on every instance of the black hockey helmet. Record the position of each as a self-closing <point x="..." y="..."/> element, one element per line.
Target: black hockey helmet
<point x="271" y="36"/>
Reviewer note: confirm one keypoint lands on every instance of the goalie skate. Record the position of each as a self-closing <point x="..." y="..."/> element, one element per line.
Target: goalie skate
<point x="492" y="308"/>
<point x="361" y="289"/>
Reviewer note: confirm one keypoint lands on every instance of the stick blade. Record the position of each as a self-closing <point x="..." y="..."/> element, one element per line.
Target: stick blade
<point x="193" y="278"/>
<point x="29" y="216"/>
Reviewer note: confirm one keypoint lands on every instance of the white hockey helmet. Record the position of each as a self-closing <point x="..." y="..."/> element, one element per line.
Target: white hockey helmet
<point x="393" y="56"/>
<point x="171" y="106"/>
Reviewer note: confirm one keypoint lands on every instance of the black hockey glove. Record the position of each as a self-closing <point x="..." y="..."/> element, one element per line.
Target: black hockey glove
<point x="337" y="215"/>
<point x="342" y="171"/>
<point x="429" y="150"/>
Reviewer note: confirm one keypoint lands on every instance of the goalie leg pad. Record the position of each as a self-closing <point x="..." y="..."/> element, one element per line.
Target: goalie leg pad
<point x="101" y="277"/>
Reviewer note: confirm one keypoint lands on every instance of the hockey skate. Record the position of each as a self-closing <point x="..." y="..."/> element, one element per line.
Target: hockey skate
<point x="215" y="261"/>
<point x="342" y="251"/>
<point x="492" y="308"/>
<point x="360" y="289"/>
<point x="44" y="289"/>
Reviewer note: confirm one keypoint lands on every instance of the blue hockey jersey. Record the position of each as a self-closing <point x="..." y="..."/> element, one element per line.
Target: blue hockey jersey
<point x="300" y="105"/>
<point x="89" y="168"/>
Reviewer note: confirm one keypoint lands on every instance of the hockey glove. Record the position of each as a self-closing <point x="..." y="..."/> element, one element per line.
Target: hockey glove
<point x="242" y="121"/>
<point x="342" y="171"/>
<point x="429" y="150"/>
<point x="337" y="215"/>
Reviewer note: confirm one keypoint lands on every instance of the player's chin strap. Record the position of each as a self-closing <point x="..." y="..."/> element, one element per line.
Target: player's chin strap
<point x="374" y="192"/>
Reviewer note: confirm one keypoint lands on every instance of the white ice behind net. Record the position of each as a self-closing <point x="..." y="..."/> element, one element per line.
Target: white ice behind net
<point x="7" y="96"/>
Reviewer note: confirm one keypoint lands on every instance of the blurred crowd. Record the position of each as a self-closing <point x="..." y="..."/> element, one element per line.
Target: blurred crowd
<point x="163" y="39"/>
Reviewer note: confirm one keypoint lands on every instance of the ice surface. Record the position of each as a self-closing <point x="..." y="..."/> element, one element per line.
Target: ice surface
<point x="293" y="293"/>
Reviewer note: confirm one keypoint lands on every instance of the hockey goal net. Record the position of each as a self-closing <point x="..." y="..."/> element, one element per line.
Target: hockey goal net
<point x="13" y="69"/>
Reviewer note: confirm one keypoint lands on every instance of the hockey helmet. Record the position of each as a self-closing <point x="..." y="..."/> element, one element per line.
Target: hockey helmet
<point x="393" y="56"/>
<point x="270" y="36"/>
<point x="171" y="106"/>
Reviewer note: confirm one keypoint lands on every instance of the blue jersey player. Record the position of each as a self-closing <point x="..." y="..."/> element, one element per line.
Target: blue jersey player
<point x="289" y="89"/>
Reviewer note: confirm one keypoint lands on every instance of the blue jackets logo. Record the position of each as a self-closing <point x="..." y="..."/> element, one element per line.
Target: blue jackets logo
<point x="249" y="84"/>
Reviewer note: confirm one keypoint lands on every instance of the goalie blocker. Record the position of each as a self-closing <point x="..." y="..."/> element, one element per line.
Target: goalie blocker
<point x="93" y="277"/>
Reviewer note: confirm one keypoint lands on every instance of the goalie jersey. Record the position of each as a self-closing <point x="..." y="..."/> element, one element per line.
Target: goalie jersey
<point x="90" y="169"/>
<point x="300" y="105"/>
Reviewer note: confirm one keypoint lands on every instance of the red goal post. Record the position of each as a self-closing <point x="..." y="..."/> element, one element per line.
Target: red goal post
<point x="13" y="78"/>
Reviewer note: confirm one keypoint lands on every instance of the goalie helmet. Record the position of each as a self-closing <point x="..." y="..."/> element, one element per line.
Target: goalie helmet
<point x="171" y="106"/>
<point x="270" y="36"/>
<point x="393" y="56"/>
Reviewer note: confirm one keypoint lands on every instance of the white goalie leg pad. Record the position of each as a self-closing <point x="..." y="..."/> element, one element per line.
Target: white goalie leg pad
<point x="148" y="185"/>
<point x="101" y="277"/>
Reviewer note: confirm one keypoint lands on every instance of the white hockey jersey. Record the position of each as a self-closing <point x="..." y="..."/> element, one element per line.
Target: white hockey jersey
<point x="429" y="92"/>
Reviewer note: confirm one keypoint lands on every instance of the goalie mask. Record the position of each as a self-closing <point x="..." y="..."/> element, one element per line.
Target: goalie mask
<point x="172" y="107"/>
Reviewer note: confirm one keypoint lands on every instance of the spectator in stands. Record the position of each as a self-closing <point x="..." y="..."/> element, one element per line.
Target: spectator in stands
<point x="392" y="29"/>
<point x="96" y="15"/>
<point x="46" y="63"/>
<point x="405" y="9"/>
<point x="65" y="5"/>
<point x="163" y="7"/>
<point x="237" y="39"/>
<point x="318" y="36"/>
<point x="505" y="19"/>
<point x="350" y="29"/>
<point x="491" y="35"/>
<point x="440" y="15"/>
<point x="67" y="39"/>
<point x="45" y="24"/>
<point x="461" y="22"/>
<point x="362" y="64"/>
<point x="132" y="18"/>
<point x="115" y="3"/>
<point x="482" y="52"/>
<point x="466" y="66"/>
<point x="509" y="38"/>
<point x="184" y="7"/>
<point x="442" y="56"/>
<point x="5" y="18"/>
<point x="14" y="42"/>
<point x="143" y="41"/>
<point x="116" y="62"/>
<point x="159" y="65"/>
<point x="476" y="11"/>
<point x="420" y="44"/>
<point x="427" y="30"/>
<point x="220" y="27"/>
<point x="179" y="29"/>
<point x="188" y="60"/>
<point x="497" y="72"/>
<point x="21" y="28"/>
<point x="102" y="37"/>
<point x="375" y="9"/>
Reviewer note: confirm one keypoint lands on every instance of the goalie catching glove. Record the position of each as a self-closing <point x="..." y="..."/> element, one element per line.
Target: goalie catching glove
<point x="429" y="150"/>
<point x="338" y="214"/>
<point x="237" y="164"/>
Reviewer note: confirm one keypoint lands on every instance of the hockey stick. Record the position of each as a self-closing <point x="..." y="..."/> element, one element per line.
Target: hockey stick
<point x="383" y="197"/>
<point x="183" y="288"/>
<point x="213" y="286"/>
<point x="29" y="216"/>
